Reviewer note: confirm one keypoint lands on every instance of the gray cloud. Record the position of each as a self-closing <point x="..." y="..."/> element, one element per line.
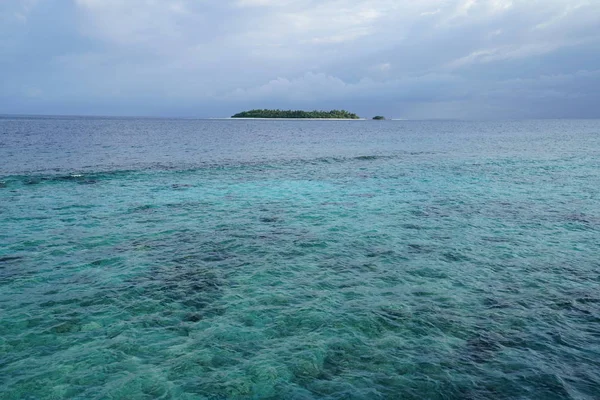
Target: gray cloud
<point x="414" y="59"/>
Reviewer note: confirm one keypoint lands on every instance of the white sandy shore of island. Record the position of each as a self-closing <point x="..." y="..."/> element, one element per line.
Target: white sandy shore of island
<point x="296" y="119"/>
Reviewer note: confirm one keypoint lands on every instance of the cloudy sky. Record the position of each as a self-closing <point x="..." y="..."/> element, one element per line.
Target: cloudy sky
<point x="208" y="58"/>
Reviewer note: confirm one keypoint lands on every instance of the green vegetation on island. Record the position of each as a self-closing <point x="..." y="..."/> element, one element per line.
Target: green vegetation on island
<point x="333" y="114"/>
<point x="379" y="117"/>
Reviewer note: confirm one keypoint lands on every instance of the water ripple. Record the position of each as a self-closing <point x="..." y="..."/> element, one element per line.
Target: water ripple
<point x="355" y="276"/>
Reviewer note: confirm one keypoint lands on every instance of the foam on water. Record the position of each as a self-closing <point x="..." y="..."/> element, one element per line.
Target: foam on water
<point x="397" y="273"/>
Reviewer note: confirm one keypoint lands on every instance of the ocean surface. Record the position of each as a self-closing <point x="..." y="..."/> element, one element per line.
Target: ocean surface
<point x="209" y="259"/>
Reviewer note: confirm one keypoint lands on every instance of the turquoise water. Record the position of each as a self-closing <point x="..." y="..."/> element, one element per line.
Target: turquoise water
<point x="145" y="259"/>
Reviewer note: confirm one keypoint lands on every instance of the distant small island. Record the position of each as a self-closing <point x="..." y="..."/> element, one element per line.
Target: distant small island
<point x="379" y="117"/>
<point x="333" y="114"/>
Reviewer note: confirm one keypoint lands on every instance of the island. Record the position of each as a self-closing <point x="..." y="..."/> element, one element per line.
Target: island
<point x="379" y="117"/>
<point x="333" y="114"/>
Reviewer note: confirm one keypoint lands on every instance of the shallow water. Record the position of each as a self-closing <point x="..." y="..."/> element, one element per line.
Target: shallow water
<point x="188" y="259"/>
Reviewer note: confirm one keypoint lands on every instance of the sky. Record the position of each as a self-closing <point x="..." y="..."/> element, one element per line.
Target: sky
<point x="418" y="59"/>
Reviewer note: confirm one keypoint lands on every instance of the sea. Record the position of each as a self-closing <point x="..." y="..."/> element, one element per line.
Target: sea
<point x="261" y="259"/>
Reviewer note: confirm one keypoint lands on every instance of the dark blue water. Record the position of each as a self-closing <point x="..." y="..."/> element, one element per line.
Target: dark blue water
<point x="188" y="259"/>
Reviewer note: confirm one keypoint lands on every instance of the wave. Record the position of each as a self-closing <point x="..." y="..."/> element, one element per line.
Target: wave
<point x="93" y="174"/>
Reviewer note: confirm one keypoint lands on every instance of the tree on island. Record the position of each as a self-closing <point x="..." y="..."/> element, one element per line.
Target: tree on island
<point x="379" y="117"/>
<point x="264" y="113"/>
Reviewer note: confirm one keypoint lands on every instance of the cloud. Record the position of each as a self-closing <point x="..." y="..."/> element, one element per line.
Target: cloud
<point x="502" y="53"/>
<point x="319" y="86"/>
<point x="383" y="67"/>
<point x="12" y="11"/>
<point x="428" y="13"/>
<point x="420" y="56"/>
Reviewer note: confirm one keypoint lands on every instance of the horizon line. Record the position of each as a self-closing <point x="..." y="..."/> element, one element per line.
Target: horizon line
<point x="25" y="115"/>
